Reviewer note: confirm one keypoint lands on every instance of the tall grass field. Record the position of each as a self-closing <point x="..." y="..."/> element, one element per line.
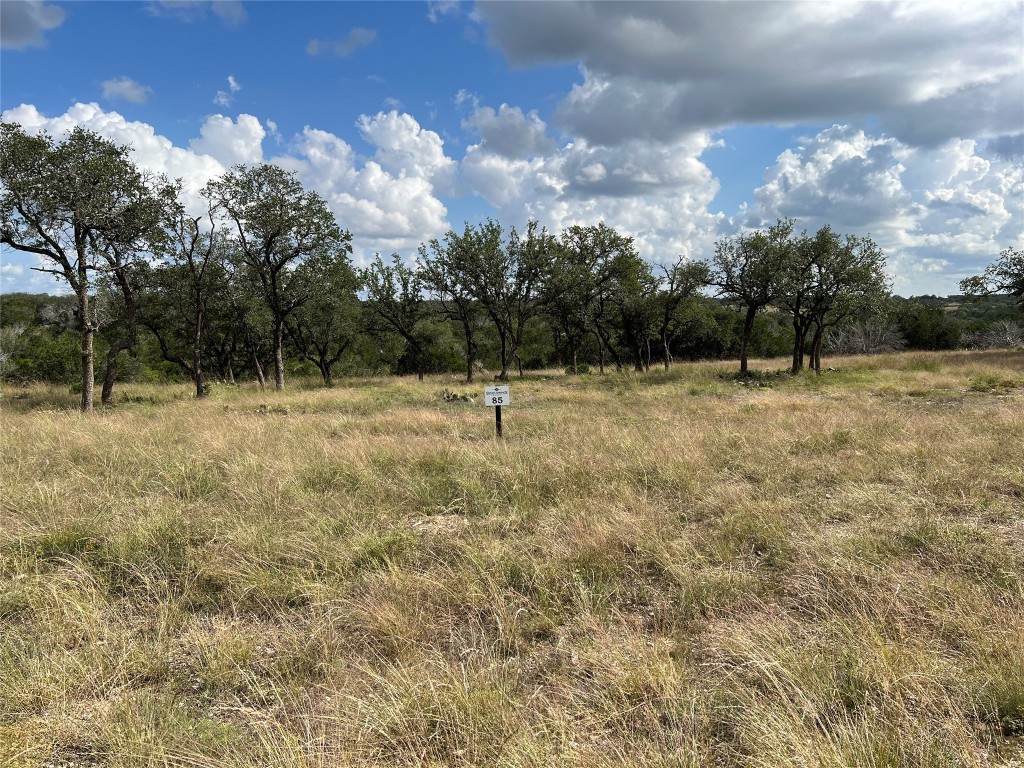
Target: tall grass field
<point x="662" y="569"/>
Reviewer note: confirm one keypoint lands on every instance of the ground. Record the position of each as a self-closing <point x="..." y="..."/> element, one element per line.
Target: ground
<point x="662" y="569"/>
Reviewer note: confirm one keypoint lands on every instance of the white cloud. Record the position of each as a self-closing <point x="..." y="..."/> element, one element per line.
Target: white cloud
<point x="389" y="202"/>
<point x="436" y="9"/>
<point x="359" y="37"/>
<point x="659" y="70"/>
<point x="149" y="150"/>
<point x="230" y="142"/>
<point x="225" y="99"/>
<point x="658" y="195"/>
<point x="126" y="89"/>
<point x="230" y="12"/>
<point x="24" y="22"/>
<point x="17" y="273"/>
<point x="406" y="149"/>
<point x="939" y="214"/>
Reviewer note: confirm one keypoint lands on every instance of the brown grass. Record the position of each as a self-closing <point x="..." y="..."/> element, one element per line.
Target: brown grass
<point x="650" y="570"/>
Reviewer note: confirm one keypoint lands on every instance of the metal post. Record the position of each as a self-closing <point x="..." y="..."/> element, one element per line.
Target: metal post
<point x="497" y="420"/>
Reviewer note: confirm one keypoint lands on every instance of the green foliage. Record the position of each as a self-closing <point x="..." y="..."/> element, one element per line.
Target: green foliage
<point x="927" y="327"/>
<point x="1005" y="275"/>
<point x="44" y="358"/>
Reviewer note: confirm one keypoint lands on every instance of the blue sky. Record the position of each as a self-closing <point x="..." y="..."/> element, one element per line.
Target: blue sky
<point x="677" y="123"/>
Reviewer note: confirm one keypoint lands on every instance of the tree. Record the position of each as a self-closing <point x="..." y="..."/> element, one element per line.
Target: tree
<point x="83" y="207"/>
<point x="395" y="296"/>
<point x="1006" y="275"/>
<point x="745" y="269"/>
<point x="278" y="225"/>
<point x="677" y="283"/>
<point x="577" y="278"/>
<point x="848" y="279"/>
<point x="795" y="282"/>
<point x="927" y="327"/>
<point x="505" y="277"/>
<point x="630" y="293"/>
<point x="446" y="268"/>
<point x="325" y="326"/>
<point x="183" y="293"/>
<point x="123" y="269"/>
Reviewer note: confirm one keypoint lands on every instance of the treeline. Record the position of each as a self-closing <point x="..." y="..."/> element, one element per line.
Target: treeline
<point x="262" y="284"/>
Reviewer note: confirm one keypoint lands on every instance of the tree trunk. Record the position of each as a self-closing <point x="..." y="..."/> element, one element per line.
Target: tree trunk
<point x="197" y="356"/>
<point x="799" y="339"/>
<point x="88" y="331"/>
<point x="819" y="334"/>
<point x="503" y="376"/>
<point x="470" y="354"/>
<point x="279" y="355"/>
<point x="748" y="328"/>
<point x="110" y="369"/>
<point x="664" y="346"/>
<point x="258" y="368"/>
<point x="128" y="341"/>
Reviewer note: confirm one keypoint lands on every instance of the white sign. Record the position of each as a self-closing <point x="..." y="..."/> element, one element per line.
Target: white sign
<point x="494" y="396"/>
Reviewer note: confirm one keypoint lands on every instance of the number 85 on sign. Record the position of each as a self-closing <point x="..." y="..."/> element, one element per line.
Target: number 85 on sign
<point x="495" y="396"/>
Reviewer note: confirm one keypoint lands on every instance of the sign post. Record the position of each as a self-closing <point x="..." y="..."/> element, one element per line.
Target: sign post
<point x="495" y="397"/>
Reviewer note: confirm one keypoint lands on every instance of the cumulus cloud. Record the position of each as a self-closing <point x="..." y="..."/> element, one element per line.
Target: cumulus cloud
<point x="230" y="12"/>
<point x="389" y="201"/>
<point x="659" y="195"/>
<point x="939" y="213"/>
<point x="24" y="22"/>
<point x="125" y="89"/>
<point x="508" y="131"/>
<point x="231" y="142"/>
<point x="658" y="70"/>
<point x="149" y="149"/>
<point x="359" y="37"/>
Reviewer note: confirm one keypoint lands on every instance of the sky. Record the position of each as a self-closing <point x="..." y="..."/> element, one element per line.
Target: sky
<point x="677" y="123"/>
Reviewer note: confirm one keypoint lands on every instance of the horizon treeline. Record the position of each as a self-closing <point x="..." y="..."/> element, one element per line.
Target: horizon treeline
<point x="262" y="286"/>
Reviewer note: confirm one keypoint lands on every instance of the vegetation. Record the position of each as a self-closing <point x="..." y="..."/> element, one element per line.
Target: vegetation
<point x="83" y="207"/>
<point x="264" y="278"/>
<point x="1005" y="275"/>
<point x="652" y="569"/>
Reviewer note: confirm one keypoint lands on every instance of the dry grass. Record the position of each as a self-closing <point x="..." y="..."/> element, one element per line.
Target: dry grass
<point x="651" y="570"/>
